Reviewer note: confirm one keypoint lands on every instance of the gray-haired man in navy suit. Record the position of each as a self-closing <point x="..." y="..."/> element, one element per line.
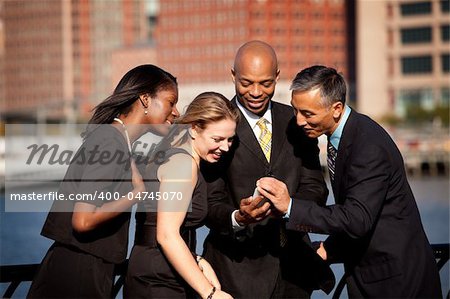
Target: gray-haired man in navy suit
<point x="374" y="227"/>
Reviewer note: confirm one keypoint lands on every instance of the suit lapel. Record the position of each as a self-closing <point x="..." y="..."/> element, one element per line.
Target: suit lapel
<point x="278" y="132"/>
<point x="343" y="153"/>
<point x="247" y="137"/>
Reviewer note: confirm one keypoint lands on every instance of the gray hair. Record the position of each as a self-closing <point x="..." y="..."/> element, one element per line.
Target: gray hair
<point x="330" y="83"/>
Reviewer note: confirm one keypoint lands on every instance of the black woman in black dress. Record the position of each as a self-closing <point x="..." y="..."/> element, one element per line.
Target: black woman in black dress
<point x="91" y="236"/>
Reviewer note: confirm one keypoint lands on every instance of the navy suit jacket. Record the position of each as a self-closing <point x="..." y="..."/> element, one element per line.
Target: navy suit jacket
<point x="375" y="225"/>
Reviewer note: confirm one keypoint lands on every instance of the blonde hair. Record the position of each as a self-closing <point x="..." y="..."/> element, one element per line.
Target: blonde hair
<point x="209" y="107"/>
<point x="206" y="108"/>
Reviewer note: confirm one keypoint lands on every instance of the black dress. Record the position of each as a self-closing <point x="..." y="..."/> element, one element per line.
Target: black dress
<point x="150" y="275"/>
<point x="81" y="265"/>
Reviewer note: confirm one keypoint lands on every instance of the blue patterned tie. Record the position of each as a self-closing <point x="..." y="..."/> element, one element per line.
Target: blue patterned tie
<point x="331" y="159"/>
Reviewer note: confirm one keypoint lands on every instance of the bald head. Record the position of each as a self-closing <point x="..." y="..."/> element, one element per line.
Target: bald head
<point x="255" y="74"/>
<point x="257" y="52"/>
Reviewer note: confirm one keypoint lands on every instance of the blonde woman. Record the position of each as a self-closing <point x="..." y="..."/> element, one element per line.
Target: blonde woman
<point x="161" y="263"/>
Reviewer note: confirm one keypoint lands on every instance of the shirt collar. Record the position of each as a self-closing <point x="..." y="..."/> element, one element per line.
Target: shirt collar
<point x="252" y="118"/>
<point x="335" y="138"/>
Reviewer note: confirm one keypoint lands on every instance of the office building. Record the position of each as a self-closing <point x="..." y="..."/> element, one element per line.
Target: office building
<point x="57" y="54"/>
<point x="403" y="52"/>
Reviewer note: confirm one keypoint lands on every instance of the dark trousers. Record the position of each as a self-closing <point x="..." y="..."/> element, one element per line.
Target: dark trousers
<point x="67" y="272"/>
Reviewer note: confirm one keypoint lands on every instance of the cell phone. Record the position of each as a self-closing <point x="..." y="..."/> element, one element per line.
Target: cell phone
<point x="257" y="193"/>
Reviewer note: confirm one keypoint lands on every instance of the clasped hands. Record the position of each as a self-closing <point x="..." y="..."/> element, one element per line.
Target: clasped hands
<point x="276" y="191"/>
<point x="278" y="194"/>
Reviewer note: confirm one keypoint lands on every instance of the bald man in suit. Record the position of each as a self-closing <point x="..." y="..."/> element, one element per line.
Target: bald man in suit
<point x="247" y="245"/>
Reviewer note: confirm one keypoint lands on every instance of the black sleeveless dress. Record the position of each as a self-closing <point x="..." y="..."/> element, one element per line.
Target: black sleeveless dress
<point x="150" y="274"/>
<point x="81" y="265"/>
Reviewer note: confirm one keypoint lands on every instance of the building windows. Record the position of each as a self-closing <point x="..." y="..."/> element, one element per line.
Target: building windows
<point x="415" y="8"/>
<point x="257" y="14"/>
<point x="414" y="98"/>
<point x="445" y="63"/>
<point x="416" y="35"/>
<point x="279" y="15"/>
<point x="298" y="14"/>
<point x="445" y="96"/>
<point x="445" y="6"/>
<point x="417" y="64"/>
<point x="278" y="31"/>
<point x="317" y="32"/>
<point x="299" y="31"/>
<point x="445" y="32"/>
<point x="257" y="30"/>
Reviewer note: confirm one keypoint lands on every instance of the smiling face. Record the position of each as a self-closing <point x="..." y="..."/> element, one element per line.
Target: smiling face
<point x="162" y="110"/>
<point x="215" y="140"/>
<point x="255" y="75"/>
<point x="314" y="117"/>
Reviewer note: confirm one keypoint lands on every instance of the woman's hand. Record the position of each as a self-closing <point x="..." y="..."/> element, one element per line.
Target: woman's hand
<point x="86" y="217"/>
<point x="208" y="272"/>
<point x="219" y="294"/>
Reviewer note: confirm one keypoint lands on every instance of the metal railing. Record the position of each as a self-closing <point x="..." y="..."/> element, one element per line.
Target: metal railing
<point x="16" y="274"/>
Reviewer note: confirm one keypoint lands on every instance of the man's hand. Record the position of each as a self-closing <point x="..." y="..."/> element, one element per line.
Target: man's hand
<point x="249" y="212"/>
<point x="276" y="191"/>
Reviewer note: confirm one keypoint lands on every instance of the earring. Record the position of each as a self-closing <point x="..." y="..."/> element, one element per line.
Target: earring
<point x="146" y="112"/>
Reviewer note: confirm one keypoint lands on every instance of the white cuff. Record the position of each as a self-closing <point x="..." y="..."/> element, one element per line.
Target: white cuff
<point x="236" y="226"/>
<point x="288" y="213"/>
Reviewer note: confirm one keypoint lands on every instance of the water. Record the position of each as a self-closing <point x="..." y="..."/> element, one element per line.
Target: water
<point x="21" y="242"/>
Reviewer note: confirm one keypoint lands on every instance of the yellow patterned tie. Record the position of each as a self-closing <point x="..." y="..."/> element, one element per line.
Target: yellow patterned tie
<point x="265" y="138"/>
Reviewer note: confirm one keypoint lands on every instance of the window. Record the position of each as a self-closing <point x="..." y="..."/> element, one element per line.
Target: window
<point x="298" y="14"/>
<point x="445" y="96"/>
<point x="414" y="98"/>
<point x="445" y="6"/>
<point x="445" y="62"/>
<point x="278" y="14"/>
<point x="445" y="32"/>
<point x="416" y="35"/>
<point x="415" y="8"/>
<point x="299" y="31"/>
<point x="417" y="64"/>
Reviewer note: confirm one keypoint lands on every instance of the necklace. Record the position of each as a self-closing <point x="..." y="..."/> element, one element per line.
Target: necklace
<point x="126" y="132"/>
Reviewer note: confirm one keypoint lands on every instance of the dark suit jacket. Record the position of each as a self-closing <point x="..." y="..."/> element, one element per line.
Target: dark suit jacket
<point x="248" y="262"/>
<point x="375" y="225"/>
